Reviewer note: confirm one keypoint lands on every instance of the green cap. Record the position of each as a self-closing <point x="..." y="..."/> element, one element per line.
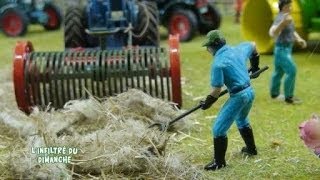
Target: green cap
<point x="212" y="36"/>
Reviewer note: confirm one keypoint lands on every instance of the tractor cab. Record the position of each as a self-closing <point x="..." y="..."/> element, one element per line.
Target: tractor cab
<point x="111" y="16"/>
<point x="111" y="22"/>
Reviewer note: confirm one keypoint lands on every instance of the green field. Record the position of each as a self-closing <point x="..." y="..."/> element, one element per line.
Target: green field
<point x="282" y="154"/>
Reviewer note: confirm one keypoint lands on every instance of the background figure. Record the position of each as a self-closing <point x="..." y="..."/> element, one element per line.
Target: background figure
<point x="283" y="31"/>
<point x="238" y="8"/>
<point x="310" y="134"/>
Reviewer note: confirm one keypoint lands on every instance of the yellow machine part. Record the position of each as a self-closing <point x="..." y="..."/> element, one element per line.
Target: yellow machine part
<point x="257" y="17"/>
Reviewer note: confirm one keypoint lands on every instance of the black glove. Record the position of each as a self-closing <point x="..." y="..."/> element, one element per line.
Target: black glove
<point x="208" y="102"/>
<point x="254" y="61"/>
<point x="253" y="70"/>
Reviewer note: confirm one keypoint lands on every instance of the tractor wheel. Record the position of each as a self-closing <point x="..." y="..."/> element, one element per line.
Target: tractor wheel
<point x="74" y="30"/>
<point x="183" y="22"/>
<point x="146" y="32"/>
<point x="213" y="17"/>
<point x="54" y="21"/>
<point x="14" y="22"/>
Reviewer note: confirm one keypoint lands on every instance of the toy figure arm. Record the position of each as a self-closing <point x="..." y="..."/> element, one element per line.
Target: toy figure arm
<point x="254" y="61"/>
<point x="211" y="98"/>
<point x="300" y="41"/>
<point x="254" y="57"/>
<point x="216" y="84"/>
<point x="215" y="92"/>
<point x="275" y="30"/>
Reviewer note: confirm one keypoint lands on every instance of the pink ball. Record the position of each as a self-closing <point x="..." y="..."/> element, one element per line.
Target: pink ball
<point x="310" y="133"/>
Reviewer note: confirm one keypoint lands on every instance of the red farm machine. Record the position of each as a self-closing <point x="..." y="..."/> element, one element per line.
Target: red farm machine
<point x="119" y="50"/>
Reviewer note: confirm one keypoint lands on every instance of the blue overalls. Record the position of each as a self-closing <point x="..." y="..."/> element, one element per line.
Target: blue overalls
<point x="283" y="61"/>
<point x="229" y="68"/>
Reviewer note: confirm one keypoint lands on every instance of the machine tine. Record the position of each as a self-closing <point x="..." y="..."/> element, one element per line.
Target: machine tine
<point x="54" y="78"/>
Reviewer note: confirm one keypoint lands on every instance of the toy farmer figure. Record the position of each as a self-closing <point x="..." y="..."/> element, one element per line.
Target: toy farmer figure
<point x="285" y="35"/>
<point x="229" y="69"/>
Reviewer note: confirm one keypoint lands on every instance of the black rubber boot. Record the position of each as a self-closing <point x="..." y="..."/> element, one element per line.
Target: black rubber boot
<point x="247" y="136"/>
<point x="220" y="148"/>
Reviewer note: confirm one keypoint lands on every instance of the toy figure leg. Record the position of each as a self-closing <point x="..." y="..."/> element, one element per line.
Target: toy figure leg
<point x="227" y="115"/>
<point x="220" y="145"/>
<point x="222" y="124"/>
<point x="242" y="119"/>
<point x="244" y="127"/>
<point x="278" y="72"/>
<point x="290" y="69"/>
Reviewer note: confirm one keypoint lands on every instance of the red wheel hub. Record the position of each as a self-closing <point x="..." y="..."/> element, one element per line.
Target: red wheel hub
<point x="179" y="24"/>
<point x="21" y="52"/>
<point x="53" y="17"/>
<point x="12" y="24"/>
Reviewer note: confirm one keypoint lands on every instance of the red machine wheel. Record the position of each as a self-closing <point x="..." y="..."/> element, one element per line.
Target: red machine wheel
<point x="13" y="23"/>
<point x="184" y="23"/>
<point x="54" y="15"/>
<point x="175" y="69"/>
<point x="22" y="49"/>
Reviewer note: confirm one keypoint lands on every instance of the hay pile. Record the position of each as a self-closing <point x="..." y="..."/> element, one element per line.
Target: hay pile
<point x="110" y="138"/>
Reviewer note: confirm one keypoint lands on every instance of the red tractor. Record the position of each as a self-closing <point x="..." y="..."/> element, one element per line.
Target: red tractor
<point x="186" y="17"/>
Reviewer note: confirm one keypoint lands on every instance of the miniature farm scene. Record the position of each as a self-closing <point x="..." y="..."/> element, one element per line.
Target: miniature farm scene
<point x="140" y="89"/>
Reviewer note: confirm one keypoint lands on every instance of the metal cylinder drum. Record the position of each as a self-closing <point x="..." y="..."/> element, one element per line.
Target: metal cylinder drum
<point x="50" y="79"/>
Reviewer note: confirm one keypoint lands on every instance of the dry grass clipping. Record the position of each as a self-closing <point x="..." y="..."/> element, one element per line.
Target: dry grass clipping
<point x="111" y="135"/>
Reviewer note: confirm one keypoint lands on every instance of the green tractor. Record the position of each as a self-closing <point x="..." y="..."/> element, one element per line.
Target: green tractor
<point x="15" y="15"/>
<point x="257" y="17"/>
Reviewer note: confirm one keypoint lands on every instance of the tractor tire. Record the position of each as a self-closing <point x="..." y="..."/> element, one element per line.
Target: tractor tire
<point x="54" y="15"/>
<point x="146" y="32"/>
<point x="74" y="30"/>
<point x="14" y="22"/>
<point x="213" y="16"/>
<point x="183" y="22"/>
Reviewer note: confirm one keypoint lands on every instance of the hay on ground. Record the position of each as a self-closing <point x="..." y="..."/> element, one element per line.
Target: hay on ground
<point x="111" y="137"/>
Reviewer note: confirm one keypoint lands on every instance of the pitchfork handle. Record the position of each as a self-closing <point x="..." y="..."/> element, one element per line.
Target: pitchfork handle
<point x="251" y="76"/>
<point x="186" y="113"/>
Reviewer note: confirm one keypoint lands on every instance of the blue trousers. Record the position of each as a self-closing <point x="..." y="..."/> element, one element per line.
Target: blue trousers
<point x="236" y="109"/>
<point x="284" y="64"/>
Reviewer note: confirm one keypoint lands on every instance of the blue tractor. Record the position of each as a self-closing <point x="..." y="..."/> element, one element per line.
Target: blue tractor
<point x="112" y="24"/>
<point x="15" y="15"/>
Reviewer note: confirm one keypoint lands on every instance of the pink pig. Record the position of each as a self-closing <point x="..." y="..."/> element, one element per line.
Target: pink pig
<point x="310" y="133"/>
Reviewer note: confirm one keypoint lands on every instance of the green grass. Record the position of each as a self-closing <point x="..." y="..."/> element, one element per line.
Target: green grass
<point x="282" y="154"/>
<point x="42" y="41"/>
<point x="273" y="122"/>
